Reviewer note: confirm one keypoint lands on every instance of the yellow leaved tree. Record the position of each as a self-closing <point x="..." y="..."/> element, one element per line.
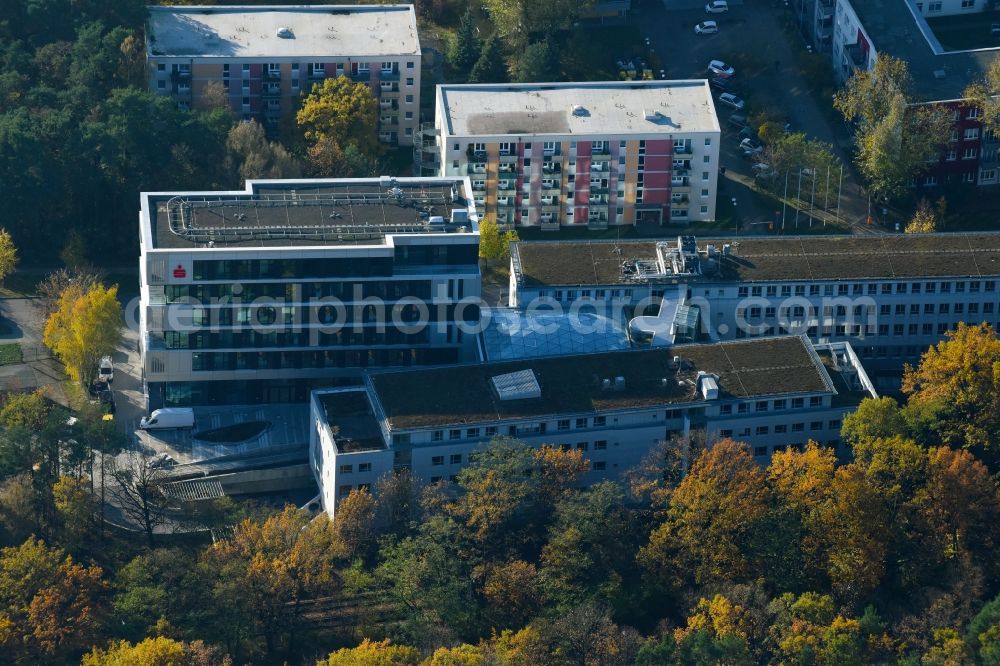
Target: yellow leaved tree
<point x="85" y="327"/>
<point x="341" y="110"/>
<point x="8" y="255"/>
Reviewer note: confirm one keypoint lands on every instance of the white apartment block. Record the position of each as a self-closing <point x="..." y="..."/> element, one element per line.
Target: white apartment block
<point x="263" y="294"/>
<point x="581" y="155"/>
<point x="613" y="407"/>
<point x="265" y="57"/>
<point x="889" y="296"/>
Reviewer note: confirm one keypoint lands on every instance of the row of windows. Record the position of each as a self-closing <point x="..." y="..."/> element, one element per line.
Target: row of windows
<point x="455" y="434"/>
<point x="856" y="330"/>
<point x="869" y="289"/>
<point x="861" y="311"/>
<point x="311" y="338"/>
<point x="768" y="405"/>
<point x="298" y="292"/>
<point x="329" y="359"/>
<point x="782" y="428"/>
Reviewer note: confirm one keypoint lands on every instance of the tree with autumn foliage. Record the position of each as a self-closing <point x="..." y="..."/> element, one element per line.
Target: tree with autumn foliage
<point x="85" y="327"/>
<point x="342" y="110"/>
<point x="50" y="606"/>
<point x="958" y="382"/>
<point x="713" y="519"/>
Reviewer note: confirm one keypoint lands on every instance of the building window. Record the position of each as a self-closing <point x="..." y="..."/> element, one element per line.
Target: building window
<point x="472" y="433"/>
<point x="970" y="153"/>
<point x="409" y="64"/>
<point x="387" y="67"/>
<point x="409" y="99"/>
<point x="437" y="460"/>
<point x="456" y="459"/>
<point x="971" y="133"/>
<point x="600" y="445"/>
<point x="600" y="421"/>
<point x="563" y="424"/>
<point x="364" y="467"/>
<point x="762" y="430"/>
<point x="455" y="434"/>
<point x="409" y="81"/>
<point x="347" y="469"/>
<point x="580" y="423"/>
<point x="969" y="177"/>
<point x="600" y="466"/>
<point x="934" y="7"/>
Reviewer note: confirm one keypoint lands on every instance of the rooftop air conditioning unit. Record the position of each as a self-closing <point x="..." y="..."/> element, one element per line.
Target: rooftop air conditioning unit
<point x="285" y="32"/>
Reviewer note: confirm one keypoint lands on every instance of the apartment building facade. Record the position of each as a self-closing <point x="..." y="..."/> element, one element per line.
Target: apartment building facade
<point x="264" y="294"/>
<point x="890" y="297"/>
<point x="265" y="57"/>
<point x="613" y="407"/>
<point x="581" y="155"/>
<point x="864" y="28"/>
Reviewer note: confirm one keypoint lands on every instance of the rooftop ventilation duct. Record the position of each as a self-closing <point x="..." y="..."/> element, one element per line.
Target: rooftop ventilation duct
<point x="285" y="32"/>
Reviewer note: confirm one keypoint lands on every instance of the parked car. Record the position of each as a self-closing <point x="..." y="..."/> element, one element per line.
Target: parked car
<point x="717" y="7"/>
<point x="719" y="83"/>
<point x="706" y="28"/>
<point x="106" y="399"/>
<point x="106" y="370"/>
<point x="720" y="68"/>
<point x="763" y="170"/>
<point x="747" y="133"/>
<point x="751" y="147"/>
<point x="737" y="120"/>
<point x="729" y="99"/>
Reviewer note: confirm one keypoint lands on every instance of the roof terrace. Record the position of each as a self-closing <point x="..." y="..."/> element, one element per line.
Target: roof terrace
<point x="320" y="212"/>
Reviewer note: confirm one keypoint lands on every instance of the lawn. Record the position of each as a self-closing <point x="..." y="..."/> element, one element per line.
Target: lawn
<point x="10" y="353"/>
<point x="970" y="31"/>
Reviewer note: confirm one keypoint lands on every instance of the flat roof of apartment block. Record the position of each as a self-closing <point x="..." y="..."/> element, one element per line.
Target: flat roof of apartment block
<point x="600" y="382"/>
<point x="316" y="31"/>
<point x="791" y="258"/>
<point x="308" y="212"/>
<point x="351" y="420"/>
<point x="612" y="108"/>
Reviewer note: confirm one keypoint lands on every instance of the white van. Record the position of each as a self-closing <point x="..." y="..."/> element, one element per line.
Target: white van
<point x="168" y="418"/>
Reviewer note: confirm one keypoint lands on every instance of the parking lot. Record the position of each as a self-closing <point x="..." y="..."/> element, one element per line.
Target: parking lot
<point x="751" y="39"/>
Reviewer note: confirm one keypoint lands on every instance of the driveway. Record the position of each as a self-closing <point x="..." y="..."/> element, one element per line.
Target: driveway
<point x="753" y="41"/>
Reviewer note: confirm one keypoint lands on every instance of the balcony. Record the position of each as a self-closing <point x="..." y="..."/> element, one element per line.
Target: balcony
<point x="550" y="200"/>
<point x="476" y="168"/>
<point x="597" y="224"/>
<point x="272" y="75"/>
<point x="598" y="199"/>
<point x="854" y="57"/>
<point x="271" y="90"/>
<point x="316" y="74"/>
<point x="505" y="201"/>
<point x="680" y="183"/>
<point x="507" y="157"/>
<point x="385" y="104"/>
<point x="682" y="150"/>
<point x="505" y="186"/>
<point x="600" y="167"/>
<point x="601" y="152"/>
<point x="551" y="167"/>
<point x="597" y="188"/>
<point x="361" y="75"/>
<point x="551" y="188"/>
<point x="507" y="168"/>
<point x="388" y="88"/>
<point x="388" y="76"/>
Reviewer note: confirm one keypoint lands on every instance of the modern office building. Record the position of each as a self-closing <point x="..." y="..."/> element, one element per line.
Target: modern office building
<point x="264" y="57"/>
<point x="263" y="294"/>
<point x="612" y="406"/>
<point x="862" y="29"/>
<point x="581" y="155"/>
<point x="889" y="296"/>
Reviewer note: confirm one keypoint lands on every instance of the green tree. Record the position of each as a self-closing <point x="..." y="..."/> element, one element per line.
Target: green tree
<point x="490" y="240"/>
<point x="254" y="157"/>
<point x="8" y="255"/>
<point x="960" y="378"/>
<point x="25" y="410"/>
<point x="491" y="67"/>
<point x="924" y="220"/>
<point x="342" y="110"/>
<point x="86" y="327"/>
<point x="984" y="94"/>
<point x="373" y="653"/>
<point x="463" y="51"/>
<point x="516" y="19"/>
<point x="538" y="61"/>
<point x="158" y="651"/>
<point x="894" y="138"/>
